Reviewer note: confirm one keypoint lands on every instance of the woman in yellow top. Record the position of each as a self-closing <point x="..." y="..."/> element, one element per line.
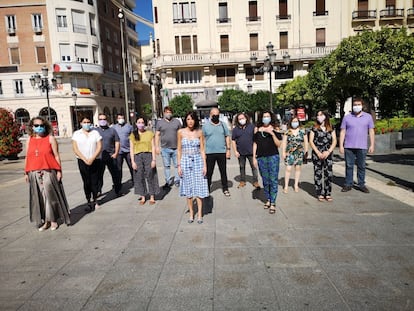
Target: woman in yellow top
<point x="142" y="152"/>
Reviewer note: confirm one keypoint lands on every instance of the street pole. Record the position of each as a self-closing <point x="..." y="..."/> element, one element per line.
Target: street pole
<point x="270" y="85"/>
<point x="46" y="86"/>
<point x="121" y="16"/>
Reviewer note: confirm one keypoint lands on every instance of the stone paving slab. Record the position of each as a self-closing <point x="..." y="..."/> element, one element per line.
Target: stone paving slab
<point x="356" y="253"/>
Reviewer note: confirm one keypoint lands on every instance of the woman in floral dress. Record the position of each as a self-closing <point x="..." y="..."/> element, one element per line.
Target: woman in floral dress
<point x="294" y="148"/>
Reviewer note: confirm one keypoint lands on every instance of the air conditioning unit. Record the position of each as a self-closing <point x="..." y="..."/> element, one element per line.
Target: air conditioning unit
<point x="37" y="29"/>
<point x="11" y="31"/>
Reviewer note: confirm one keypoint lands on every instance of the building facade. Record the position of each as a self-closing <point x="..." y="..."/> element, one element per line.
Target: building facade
<point x="79" y="42"/>
<point x="205" y="46"/>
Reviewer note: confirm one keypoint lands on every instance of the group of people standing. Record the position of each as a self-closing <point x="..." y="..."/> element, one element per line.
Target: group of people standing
<point x="193" y="151"/>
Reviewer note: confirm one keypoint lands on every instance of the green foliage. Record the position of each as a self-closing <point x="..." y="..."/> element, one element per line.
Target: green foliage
<point x="371" y="64"/>
<point x="147" y="110"/>
<point x="235" y="101"/>
<point x="181" y="104"/>
<point x="261" y="101"/>
<point x="393" y="125"/>
<point x="9" y="134"/>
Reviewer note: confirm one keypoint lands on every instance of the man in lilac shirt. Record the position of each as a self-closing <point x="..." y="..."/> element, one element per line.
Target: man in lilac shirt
<point x="353" y="142"/>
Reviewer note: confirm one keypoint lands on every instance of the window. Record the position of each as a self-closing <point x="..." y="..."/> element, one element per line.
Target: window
<point x="184" y="12"/>
<point x="156" y="14"/>
<point x="18" y="87"/>
<point x="226" y="75"/>
<point x="37" y="22"/>
<point x="11" y="22"/>
<point x="64" y="50"/>
<point x="107" y="34"/>
<point x="78" y="20"/>
<point x="223" y="13"/>
<point x="224" y="43"/>
<point x="283" y="9"/>
<point x="390" y="4"/>
<point x="188" y="77"/>
<point x="115" y="37"/>
<point x="177" y="45"/>
<point x="92" y="24"/>
<point x="283" y="39"/>
<point x="253" y="11"/>
<point x="254" y="44"/>
<point x="110" y="63"/>
<point x="14" y="56"/>
<point x="195" y="44"/>
<point x="158" y="47"/>
<point x="186" y="44"/>
<point x="250" y="75"/>
<point x="95" y="54"/>
<point x="106" y="7"/>
<point x="81" y="53"/>
<point x="320" y="8"/>
<point x="362" y="5"/>
<point x="320" y="37"/>
<point x="1" y="89"/>
<point x="61" y="20"/>
<point x="41" y="54"/>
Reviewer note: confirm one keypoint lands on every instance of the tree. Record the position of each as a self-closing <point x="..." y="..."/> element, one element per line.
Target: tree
<point x="234" y="101"/>
<point x="181" y="104"/>
<point x="10" y="144"/>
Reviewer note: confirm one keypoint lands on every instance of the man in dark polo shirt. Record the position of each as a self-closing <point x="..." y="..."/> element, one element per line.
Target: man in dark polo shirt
<point x="110" y="150"/>
<point x="166" y="133"/>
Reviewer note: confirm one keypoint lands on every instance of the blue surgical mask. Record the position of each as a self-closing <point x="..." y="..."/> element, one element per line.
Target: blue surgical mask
<point x="266" y="120"/>
<point x="295" y="124"/>
<point x="39" y="129"/>
<point x="86" y="126"/>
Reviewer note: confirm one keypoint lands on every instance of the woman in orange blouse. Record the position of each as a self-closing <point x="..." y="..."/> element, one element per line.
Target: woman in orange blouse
<point x="43" y="172"/>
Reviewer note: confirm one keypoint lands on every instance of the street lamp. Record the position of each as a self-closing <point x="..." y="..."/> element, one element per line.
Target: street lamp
<point x="75" y="98"/>
<point x="42" y="83"/>
<point x="268" y="66"/>
<point x="121" y="18"/>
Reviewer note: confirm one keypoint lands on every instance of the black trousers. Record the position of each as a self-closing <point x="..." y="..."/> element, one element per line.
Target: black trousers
<point x="120" y="160"/>
<point x="112" y="165"/>
<point x="211" y="160"/>
<point x="89" y="174"/>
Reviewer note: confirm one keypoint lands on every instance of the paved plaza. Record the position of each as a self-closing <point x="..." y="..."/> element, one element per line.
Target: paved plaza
<point x="356" y="253"/>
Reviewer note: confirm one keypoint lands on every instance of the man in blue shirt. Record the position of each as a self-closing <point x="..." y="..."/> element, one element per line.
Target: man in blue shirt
<point x="124" y="130"/>
<point x="217" y="145"/>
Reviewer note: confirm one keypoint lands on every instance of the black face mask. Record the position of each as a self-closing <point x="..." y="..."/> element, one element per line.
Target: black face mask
<point x="215" y="119"/>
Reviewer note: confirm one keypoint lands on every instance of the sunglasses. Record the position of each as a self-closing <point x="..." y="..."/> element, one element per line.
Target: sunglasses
<point x="37" y="125"/>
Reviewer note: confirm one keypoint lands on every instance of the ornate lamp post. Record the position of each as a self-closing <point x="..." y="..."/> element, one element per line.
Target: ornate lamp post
<point x="268" y="66"/>
<point x="43" y="83"/>
<point x="155" y="81"/>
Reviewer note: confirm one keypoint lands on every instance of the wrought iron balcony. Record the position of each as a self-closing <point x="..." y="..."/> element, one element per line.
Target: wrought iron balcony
<point x="283" y="17"/>
<point x="253" y="19"/>
<point x="392" y="13"/>
<point x="410" y="13"/>
<point x="223" y="20"/>
<point x="320" y="13"/>
<point x="368" y="14"/>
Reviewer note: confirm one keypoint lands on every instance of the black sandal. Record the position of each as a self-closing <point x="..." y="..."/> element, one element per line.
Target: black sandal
<point x="226" y="193"/>
<point x="267" y="205"/>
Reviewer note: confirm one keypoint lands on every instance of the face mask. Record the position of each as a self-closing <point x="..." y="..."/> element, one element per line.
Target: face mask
<point x="320" y="118"/>
<point x="103" y="123"/>
<point x="140" y="126"/>
<point x="39" y="129"/>
<point x="242" y="121"/>
<point x="168" y="116"/>
<point x="266" y="120"/>
<point x="357" y="109"/>
<point x="215" y="119"/>
<point x="121" y="121"/>
<point x="295" y="124"/>
<point x="86" y="126"/>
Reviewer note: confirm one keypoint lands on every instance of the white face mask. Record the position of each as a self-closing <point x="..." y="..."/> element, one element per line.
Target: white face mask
<point x="357" y="109"/>
<point x="242" y="121"/>
<point x="121" y="121"/>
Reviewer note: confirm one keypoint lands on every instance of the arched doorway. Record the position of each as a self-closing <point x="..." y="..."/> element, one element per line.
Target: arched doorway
<point x="53" y="119"/>
<point x="107" y="112"/>
<point x="22" y="117"/>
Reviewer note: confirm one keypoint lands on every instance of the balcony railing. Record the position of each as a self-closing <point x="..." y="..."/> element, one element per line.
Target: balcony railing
<point x="223" y="20"/>
<point x="410" y="13"/>
<point x="253" y="19"/>
<point x="202" y="59"/>
<point x="79" y="28"/>
<point x="369" y="14"/>
<point x="320" y="13"/>
<point x="185" y="20"/>
<point x="283" y="17"/>
<point x="391" y="13"/>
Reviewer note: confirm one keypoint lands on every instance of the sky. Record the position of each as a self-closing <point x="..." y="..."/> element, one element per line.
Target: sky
<point x="144" y="9"/>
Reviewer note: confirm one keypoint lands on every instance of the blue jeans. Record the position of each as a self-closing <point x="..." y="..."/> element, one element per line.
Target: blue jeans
<point x="353" y="156"/>
<point x="169" y="154"/>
